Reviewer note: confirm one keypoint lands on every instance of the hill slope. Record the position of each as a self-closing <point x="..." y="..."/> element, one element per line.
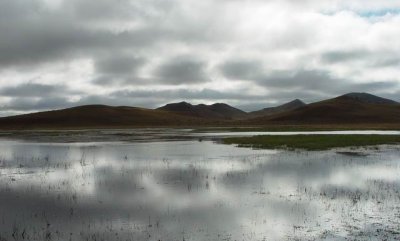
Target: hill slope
<point x="292" y="105"/>
<point x="215" y="111"/>
<point x="92" y="116"/>
<point x="367" y="98"/>
<point x="349" y="109"/>
<point x="352" y="108"/>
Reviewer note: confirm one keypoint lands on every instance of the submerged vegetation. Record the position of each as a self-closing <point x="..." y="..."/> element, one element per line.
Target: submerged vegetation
<point x="312" y="142"/>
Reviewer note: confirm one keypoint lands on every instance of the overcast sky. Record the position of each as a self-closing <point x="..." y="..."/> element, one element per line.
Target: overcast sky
<point x="247" y="53"/>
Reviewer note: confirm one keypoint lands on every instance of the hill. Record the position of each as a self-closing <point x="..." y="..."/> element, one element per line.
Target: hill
<point x="215" y="111"/>
<point x="292" y="105"/>
<point x="367" y="98"/>
<point x="347" y="110"/>
<point x="97" y="116"/>
<point x="352" y="108"/>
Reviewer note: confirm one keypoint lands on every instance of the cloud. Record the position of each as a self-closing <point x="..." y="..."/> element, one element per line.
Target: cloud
<point x="276" y="49"/>
<point x="31" y="90"/>
<point x="118" y="69"/>
<point x="244" y="70"/>
<point x="309" y="85"/>
<point x="317" y="82"/>
<point x="369" y="58"/>
<point x="182" y="70"/>
<point x="29" y="104"/>
<point x="283" y="79"/>
<point x="344" y="56"/>
<point x="184" y="94"/>
<point x="34" y="34"/>
<point x="119" y="65"/>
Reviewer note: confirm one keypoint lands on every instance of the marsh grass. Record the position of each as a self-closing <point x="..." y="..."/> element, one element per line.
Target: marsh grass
<point x="312" y="142"/>
<point x="309" y="127"/>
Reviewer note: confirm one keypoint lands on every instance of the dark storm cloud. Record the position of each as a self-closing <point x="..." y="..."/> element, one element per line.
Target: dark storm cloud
<point x="123" y="70"/>
<point x="30" y="90"/>
<point x="182" y="70"/>
<point x="290" y="79"/>
<point x="119" y="80"/>
<point x="387" y="62"/>
<point x="33" y="34"/>
<point x="119" y="65"/>
<point x="245" y="70"/>
<point x="303" y="79"/>
<point x="118" y="69"/>
<point x="377" y="87"/>
<point x="343" y="56"/>
<point x="322" y="82"/>
<point x="184" y="94"/>
<point x="30" y="34"/>
<point x="372" y="59"/>
<point x="37" y="90"/>
<point x="45" y="40"/>
<point x="101" y="9"/>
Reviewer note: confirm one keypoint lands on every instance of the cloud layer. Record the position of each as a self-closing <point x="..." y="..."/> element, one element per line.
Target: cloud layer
<point x="252" y="54"/>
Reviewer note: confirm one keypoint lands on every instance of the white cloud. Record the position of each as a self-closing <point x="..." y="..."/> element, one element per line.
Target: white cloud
<point x="80" y="45"/>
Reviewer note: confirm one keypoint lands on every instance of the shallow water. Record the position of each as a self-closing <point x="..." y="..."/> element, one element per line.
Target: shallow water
<point x="191" y="190"/>
<point x="289" y="133"/>
<point x="157" y="134"/>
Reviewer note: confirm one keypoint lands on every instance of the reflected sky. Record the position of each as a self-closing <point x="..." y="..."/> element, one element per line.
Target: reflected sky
<point x="192" y="190"/>
<point x="87" y="137"/>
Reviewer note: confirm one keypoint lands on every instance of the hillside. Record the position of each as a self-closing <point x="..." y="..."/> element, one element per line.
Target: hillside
<point x="366" y="98"/>
<point x="346" y="110"/>
<point x="352" y="108"/>
<point x="92" y="116"/>
<point x="292" y="105"/>
<point x="215" y="111"/>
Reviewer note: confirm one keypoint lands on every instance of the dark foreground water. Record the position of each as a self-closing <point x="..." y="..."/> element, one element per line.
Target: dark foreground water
<point x="192" y="190"/>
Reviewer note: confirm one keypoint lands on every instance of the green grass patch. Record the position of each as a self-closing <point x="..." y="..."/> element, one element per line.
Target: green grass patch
<point x="312" y="142"/>
<point x="285" y="128"/>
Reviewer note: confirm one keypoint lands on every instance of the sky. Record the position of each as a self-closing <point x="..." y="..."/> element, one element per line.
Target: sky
<point x="248" y="53"/>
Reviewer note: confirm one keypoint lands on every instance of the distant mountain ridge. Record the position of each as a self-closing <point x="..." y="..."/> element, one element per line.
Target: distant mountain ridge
<point x="344" y="109"/>
<point x="292" y="105"/>
<point x="351" y="108"/>
<point x="214" y="111"/>
<point x="97" y="116"/>
<point x="367" y="98"/>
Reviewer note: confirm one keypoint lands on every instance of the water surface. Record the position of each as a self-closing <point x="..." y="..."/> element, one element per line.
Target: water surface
<point x="195" y="190"/>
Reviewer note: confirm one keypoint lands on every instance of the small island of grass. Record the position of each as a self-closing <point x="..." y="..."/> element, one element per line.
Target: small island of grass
<point x="312" y="142"/>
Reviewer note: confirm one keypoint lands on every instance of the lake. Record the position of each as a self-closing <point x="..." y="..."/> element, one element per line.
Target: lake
<point x="166" y="184"/>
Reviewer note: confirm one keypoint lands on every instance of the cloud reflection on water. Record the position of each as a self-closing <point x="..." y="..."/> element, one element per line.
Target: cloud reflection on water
<point x="194" y="191"/>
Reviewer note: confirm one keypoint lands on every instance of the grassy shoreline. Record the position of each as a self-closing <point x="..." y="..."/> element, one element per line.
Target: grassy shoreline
<point x="312" y="142"/>
<point x="287" y="128"/>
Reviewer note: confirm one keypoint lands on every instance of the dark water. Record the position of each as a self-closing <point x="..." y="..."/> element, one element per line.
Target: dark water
<point x="192" y="190"/>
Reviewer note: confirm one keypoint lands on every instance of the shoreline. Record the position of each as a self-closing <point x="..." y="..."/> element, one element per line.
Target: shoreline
<point x="312" y="142"/>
